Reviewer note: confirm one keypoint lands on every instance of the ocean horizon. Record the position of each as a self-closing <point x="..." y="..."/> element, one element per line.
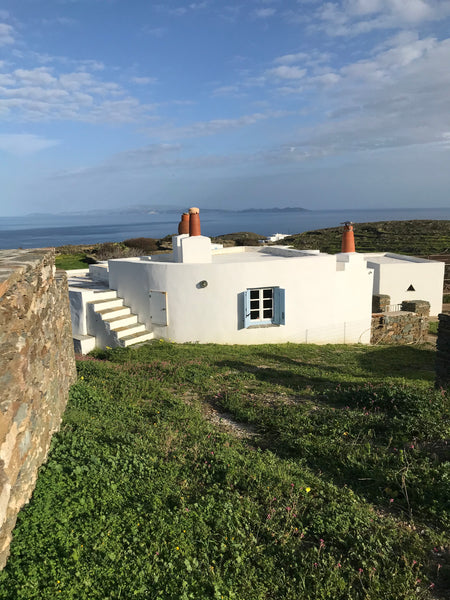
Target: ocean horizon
<point x="40" y="231"/>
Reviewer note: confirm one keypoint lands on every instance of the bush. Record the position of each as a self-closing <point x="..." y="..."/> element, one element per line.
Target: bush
<point x="110" y="250"/>
<point x="146" y="244"/>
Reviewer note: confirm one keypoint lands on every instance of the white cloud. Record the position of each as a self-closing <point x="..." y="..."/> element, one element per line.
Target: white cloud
<point x="6" y="34"/>
<point x="226" y="90"/>
<point x="289" y="59"/>
<point x="286" y="72"/>
<point x="353" y="17"/>
<point x="264" y="13"/>
<point x="22" y="144"/>
<point x="399" y="98"/>
<point x="157" y="32"/>
<point x="144" y="80"/>
<point x="39" y="76"/>
<point x="215" y="126"/>
<point x="41" y="94"/>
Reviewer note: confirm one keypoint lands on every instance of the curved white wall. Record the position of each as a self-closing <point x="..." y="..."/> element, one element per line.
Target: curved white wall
<point x="318" y="299"/>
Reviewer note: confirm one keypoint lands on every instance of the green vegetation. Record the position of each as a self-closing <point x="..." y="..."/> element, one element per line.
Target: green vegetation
<point x="343" y="494"/>
<point x="419" y="238"/>
<point x="433" y="327"/>
<point x="79" y="257"/>
<point x="77" y="260"/>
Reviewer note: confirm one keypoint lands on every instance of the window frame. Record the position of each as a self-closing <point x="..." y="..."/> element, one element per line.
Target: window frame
<point x="277" y="307"/>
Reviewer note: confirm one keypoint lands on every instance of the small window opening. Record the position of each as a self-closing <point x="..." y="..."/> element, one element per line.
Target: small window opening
<point x="411" y="288"/>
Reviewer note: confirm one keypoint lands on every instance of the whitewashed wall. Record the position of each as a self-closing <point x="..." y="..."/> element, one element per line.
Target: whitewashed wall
<point x="318" y="298"/>
<point x="394" y="279"/>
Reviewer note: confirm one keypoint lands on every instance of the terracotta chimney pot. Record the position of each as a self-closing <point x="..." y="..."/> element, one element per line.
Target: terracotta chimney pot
<point x="348" y="238"/>
<point x="194" y="221"/>
<point x="183" y="225"/>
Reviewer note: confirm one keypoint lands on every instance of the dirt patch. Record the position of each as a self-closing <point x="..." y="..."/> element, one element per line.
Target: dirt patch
<point x="225" y="421"/>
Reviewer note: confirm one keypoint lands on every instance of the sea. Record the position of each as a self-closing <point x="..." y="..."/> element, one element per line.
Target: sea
<point x="41" y="231"/>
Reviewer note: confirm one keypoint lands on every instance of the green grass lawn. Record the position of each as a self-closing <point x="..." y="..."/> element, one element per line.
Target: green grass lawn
<point x="72" y="261"/>
<point x="343" y="494"/>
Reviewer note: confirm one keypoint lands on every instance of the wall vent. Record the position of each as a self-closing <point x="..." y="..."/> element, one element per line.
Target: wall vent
<point x="411" y="288"/>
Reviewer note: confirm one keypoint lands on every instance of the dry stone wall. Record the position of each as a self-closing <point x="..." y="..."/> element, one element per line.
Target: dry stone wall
<point x="37" y="367"/>
<point x="398" y="328"/>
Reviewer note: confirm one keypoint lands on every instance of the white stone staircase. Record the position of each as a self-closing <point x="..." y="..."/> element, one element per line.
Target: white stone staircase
<point x="119" y="321"/>
<point x="107" y="321"/>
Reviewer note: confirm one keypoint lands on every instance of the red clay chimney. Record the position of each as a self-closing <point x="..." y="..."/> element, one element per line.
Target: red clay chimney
<point x="183" y="225"/>
<point x="348" y="239"/>
<point x="194" y="221"/>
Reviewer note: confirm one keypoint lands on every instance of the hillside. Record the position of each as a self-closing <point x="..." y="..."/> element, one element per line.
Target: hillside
<point x="419" y="238"/>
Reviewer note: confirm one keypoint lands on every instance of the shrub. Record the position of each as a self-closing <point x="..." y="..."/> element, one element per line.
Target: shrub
<point x="116" y="250"/>
<point x="146" y="244"/>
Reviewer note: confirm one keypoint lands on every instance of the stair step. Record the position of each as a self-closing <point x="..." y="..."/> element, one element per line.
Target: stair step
<point x="121" y="322"/>
<point x="103" y="304"/>
<point x="113" y="313"/>
<point x="136" y="338"/>
<point x="122" y="332"/>
<point x="105" y="294"/>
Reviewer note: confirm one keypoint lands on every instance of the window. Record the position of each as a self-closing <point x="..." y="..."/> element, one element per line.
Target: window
<point x="264" y="306"/>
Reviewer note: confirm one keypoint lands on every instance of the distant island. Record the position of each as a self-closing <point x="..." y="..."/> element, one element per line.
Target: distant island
<point x="155" y="210"/>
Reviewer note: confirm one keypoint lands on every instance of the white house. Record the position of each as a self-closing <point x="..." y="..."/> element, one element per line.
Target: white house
<point x="240" y="295"/>
<point x="407" y="278"/>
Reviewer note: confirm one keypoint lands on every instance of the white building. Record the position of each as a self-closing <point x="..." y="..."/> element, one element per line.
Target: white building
<point x="407" y="278"/>
<point x="240" y="295"/>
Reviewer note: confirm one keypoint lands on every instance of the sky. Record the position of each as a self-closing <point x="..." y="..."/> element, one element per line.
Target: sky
<point x="106" y="104"/>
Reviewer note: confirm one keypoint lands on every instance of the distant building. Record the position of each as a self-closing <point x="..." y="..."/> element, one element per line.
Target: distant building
<point x="276" y="237"/>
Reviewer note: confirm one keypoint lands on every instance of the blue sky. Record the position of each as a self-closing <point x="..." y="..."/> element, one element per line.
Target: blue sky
<point x="114" y="103"/>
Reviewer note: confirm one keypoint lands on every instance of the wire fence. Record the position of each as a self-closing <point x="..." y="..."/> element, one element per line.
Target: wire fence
<point x="349" y="332"/>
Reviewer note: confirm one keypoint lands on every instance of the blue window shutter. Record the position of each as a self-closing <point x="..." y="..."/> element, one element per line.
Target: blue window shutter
<point x="246" y="308"/>
<point x="278" y="306"/>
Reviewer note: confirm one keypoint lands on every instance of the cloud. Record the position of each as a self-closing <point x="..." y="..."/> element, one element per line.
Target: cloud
<point x="157" y="32"/>
<point x="286" y="72"/>
<point x="215" y="126"/>
<point x="41" y="94"/>
<point x="6" y="34"/>
<point x="22" y="144"/>
<point x="136" y="159"/>
<point x="399" y="98"/>
<point x="143" y="80"/>
<point x="353" y="17"/>
<point x="226" y="90"/>
<point x="264" y="13"/>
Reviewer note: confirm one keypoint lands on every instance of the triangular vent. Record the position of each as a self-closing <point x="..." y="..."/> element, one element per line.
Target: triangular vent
<point x="411" y="288"/>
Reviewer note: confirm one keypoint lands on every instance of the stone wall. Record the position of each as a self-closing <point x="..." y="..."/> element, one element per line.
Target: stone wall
<point x="443" y="352"/>
<point x="398" y="328"/>
<point x="37" y="366"/>
<point x="420" y="307"/>
<point x="380" y="302"/>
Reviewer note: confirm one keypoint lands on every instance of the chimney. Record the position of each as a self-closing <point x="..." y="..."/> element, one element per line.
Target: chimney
<point x="194" y="221"/>
<point x="348" y="239"/>
<point x="183" y="225"/>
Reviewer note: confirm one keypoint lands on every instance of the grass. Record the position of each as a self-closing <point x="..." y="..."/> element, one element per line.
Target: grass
<point x="433" y="327"/>
<point x="78" y="260"/>
<point x="342" y="495"/>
